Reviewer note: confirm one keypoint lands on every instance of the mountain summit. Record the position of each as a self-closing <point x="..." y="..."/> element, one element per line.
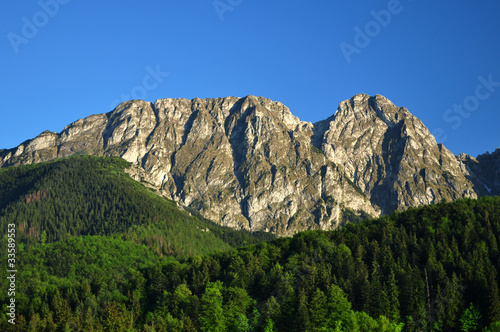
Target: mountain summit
<point x="249" y="163"/>
<point x="391" y="155"/>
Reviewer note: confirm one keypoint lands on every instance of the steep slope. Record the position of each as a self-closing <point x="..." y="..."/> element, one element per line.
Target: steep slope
<point x="391" y="155"/>
<point x="484" y="172"/>
<point x="249" y="163"/>
<point x="86" y="195"/>
<point x="246" y="163"/>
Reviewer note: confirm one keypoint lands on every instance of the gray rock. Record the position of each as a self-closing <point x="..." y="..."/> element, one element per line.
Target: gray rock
<point x="249" y="163"/>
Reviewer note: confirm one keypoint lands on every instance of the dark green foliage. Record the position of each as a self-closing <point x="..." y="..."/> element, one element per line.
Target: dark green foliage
<point x="93" y="196"/>
<point x="350" y="216"/>
<point x="470" y="319"/>
<point x="427" y="269"/>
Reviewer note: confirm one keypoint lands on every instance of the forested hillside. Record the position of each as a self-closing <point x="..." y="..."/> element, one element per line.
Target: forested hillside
<point x="250" y="163"/>
<point x="85" y="195"/>
<point x="427" y="269"/>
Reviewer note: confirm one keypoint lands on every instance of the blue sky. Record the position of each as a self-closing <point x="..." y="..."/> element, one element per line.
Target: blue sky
<point x="62" y="60"/>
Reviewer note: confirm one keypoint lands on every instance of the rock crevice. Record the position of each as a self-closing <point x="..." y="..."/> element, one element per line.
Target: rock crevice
<point x="249" y="163"/>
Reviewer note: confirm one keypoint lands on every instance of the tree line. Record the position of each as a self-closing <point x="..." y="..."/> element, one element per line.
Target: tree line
<point x="433" y="268"/>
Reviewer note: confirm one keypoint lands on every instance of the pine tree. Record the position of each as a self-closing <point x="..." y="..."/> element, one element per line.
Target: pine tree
<point x="269" y="326"/>
<point x="393" y="296"/>
<point x="339" y="308"/>
<point x="88" y="322"/>
<point x="43" y="237"/>
<point x="318" y="310"/>
<point x="212" y="317"/>
<point x="34" y="324"/>
<point x="494" y="299"/>
<point x="61" y="308"/>
<point x="470" y="319"/>
<point x="303" y="319"/>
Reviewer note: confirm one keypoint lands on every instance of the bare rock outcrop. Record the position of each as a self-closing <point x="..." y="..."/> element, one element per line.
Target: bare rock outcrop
<point x="249" y="163"/>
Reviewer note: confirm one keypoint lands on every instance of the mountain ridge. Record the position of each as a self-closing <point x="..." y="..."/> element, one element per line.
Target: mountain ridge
<point x="86" y="195"/>
<point x="250" y="163"/>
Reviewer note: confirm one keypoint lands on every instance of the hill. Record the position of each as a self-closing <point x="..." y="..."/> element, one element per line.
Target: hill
<point x="84" y="195"/>
<point x="429" y="268"/>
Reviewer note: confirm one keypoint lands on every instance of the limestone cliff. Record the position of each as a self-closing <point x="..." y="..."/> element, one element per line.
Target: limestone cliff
<point x="249" y="163"/>
<point x="391" y="155"/>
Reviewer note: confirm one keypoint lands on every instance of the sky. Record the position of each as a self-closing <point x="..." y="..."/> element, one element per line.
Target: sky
<point x="62" y="60"/>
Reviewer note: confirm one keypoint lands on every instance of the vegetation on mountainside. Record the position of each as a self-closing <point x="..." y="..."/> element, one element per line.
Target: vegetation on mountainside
<point x="431" y="268"/>
<point x="87" y="195"/>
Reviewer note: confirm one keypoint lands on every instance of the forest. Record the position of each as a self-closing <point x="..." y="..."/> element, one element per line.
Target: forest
<point x="85" y="195"/>
<point x="97" y="251"/>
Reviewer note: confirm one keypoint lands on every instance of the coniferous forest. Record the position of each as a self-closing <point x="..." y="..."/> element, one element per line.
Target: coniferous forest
<point x="97" y="251"/>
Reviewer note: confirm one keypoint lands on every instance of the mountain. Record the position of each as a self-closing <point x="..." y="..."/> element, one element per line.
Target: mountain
<point x="391" y="155"/>
<point x="484" y="172"/>
<point x="249" y="163"/>
<point x="86" y="195"/>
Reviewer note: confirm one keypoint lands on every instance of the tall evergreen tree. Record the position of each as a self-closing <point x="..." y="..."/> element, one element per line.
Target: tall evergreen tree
<point x="494" y="299"/>
<point x="212" y="318"/>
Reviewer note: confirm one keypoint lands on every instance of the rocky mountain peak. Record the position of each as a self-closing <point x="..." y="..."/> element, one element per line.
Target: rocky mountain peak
<point x="363" y="107"/>
<point x="390" y="154"/>
<point x="250" y="163"/>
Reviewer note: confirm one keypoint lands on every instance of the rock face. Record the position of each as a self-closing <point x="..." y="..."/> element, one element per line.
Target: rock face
<point x="484" y="172"/>
<point x="391" y="155"/>
<point x="249" y="163"/>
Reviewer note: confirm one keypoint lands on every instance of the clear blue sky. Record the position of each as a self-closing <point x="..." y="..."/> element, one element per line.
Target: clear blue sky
<point x="85" y="56"/>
